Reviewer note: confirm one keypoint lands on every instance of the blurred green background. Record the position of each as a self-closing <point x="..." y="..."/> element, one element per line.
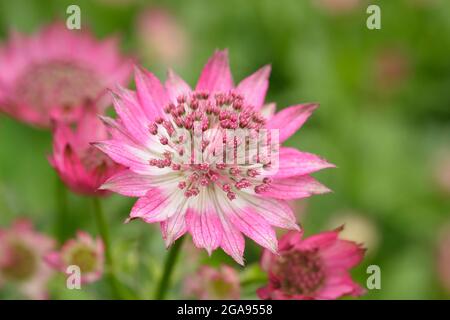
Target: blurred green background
<point x="384" y="121"/>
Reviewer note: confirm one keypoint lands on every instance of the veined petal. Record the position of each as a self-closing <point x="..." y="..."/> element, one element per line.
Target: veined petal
<point x="295" y="188"/>
<point x="175" y="226"/>
<point x="296" y="163"/>
<point x="276" y="212"/>
<point x="128" y="183"/>
<point x="132" y="116"/>
<point x="248" y="222"/>
<point x="132" y="157"/>
<point x="216" y="75"/>
<point x="289" y="120"/>
<point x="254" y="87"/>
<point x="176" y="86"/>
<point x="151" y="93"/>
<point x="205" y="228"/>
<point x="158" y="205"/>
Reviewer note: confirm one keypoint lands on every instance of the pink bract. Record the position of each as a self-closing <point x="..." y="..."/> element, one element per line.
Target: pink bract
<point x="214" y="201"/>
<point x="312" y="268"/>
<point x="83" y="251"/>
<point x="56" y="72"/>
<point x="81" y="166"/>
<point x="22" y="250"/>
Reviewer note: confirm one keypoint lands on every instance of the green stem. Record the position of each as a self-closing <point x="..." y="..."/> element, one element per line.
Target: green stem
<point x="61" y="221"/>
<point x="169" y="265"/>
<point x="103" y="229"/>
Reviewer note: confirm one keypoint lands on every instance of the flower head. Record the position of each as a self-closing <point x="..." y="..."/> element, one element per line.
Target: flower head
<point x="443" y="257"/>
<point x="81" y="166"/>
<point x="191" y="168"/>
<point x="210" y="283"/>
<point x="313" y="268"/>
<point x="21" y="259"/>
<point x="83" y="251"/>
<point x="57" y="72"/>
<point x="162" y="37"/>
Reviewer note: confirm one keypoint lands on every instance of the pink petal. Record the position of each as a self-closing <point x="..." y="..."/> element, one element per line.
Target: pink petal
<point x="216" y="75"/>
<point x="254" y="87"/>
<point x="295" y="188"/>
<point x="131" y="115"/>
<point x="128" y="184"/>
<point x="151" y="93"/>
<point x="176" y="86"/>
<point x="268" y="110"/>
<point x="154" y="207"/>
<point x="233" y="242"/>
<point x="255" y="227"/>
<point x="289" y="120"/>
<point x="276" y="212"/>
<point x="205" y="228"/>
<point x="343" y="255"/>
<point x="296" y="163"/>
<point x="128" y="156"/>
<point x="173" y="228"/>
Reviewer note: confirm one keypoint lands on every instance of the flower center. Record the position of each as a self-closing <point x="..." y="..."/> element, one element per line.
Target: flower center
<point x="196" y="134"/>
<point x="300" y="272"/>
<point x="83" y="257"/>
<point x="20" y="263"/>
<point x="58" y="83"/>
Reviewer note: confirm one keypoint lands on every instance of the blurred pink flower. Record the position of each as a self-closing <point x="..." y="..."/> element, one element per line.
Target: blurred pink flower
<point x="214" y="201"/>
<point x="22" y="250"/>
<point x="392" y="68"/>
<point x="161" y="37"/>
<point x="81" y="166"/>
<point x="442" y="171"/>
<point x="338" y="6"/>
<point x="443" y="259"/>
<point x="313" y="268"/>
<point x="56" y="72"/>
<point x="84" y="252"/>
<point x="210" y="284"/>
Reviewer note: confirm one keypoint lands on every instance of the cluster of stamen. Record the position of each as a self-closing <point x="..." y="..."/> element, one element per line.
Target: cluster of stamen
<point x="58" y="83"/>
<point x="196" y="113"/>
<point x="300" y="272"/>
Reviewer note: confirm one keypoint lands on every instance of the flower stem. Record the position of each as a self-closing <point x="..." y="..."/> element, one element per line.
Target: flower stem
<point x="61" y="221"/>
<point x="103" y="229"/>
<point x="169" y="265"/>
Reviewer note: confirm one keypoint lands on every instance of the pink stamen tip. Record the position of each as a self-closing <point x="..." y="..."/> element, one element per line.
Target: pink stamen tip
<point x="182" y="185"/>
<point x="235" y="171"/>
<point x="252" y="173"/>
<point x="164" y="140"/>
<point x="267" y="180"/>
<point x="226" y="187"/>
<point x="221" y="166"/>
<point x="231" y="195"/>
<point x="204" y="181"/>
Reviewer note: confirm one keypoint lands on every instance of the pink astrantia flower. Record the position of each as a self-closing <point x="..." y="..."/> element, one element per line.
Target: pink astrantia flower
<point x="443" y="257"/>
<point x="21" y="259"/>
<point x="81" y="166"/>
<point x="214" y="201"/>
<point x="313" y="268"/>
<point x="56" y="72"/>
<point x="83" y="251"/>
<point x="210" y="283"/>
<point x="162" y="37"/>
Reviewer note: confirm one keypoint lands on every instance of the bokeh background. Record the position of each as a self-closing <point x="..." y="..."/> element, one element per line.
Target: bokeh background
<point x="384" y="120"/>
